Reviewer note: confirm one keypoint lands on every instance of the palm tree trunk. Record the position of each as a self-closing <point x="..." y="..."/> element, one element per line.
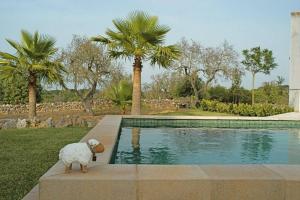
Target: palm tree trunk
<point x="32" y="96"/>
<point x="253" y="82"/>
<point x="136" y="93"/>
<point x="135" y="138"/>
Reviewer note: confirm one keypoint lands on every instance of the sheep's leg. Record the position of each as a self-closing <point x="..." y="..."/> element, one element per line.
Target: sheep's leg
<point x="84" y="169"/>
<point x="81" y="167"/>
<point x="67" y="169"/>
<point x="70" y="167"/>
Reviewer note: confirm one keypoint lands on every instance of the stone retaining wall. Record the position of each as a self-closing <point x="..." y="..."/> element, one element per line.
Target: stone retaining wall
<point x="77" y="106"/>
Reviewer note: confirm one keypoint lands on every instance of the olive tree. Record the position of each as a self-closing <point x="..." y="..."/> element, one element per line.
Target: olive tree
<point x="216" y="62"/>
<point x="189" y="64"/>
<point x="160" y="86"/>
<point x="205" y="64"/>
<point x="88" y="66"/>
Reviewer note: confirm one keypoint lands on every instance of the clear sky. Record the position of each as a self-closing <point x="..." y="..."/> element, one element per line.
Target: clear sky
<point x="243" y="23"/>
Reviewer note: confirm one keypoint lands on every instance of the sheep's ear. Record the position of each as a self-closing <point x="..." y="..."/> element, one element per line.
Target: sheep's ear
<point x="89" y="142"/>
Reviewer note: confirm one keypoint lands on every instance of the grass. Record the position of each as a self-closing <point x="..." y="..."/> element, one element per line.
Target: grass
<point x="192" y="112"/>
<point x="26" y="154"/>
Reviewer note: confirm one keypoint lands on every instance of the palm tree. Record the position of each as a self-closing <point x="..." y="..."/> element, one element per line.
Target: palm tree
<point x="34" y="60"/>
<point x="141" y="38"/>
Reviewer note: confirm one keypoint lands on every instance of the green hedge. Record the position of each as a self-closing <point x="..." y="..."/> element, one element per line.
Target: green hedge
<point x="259" y="110"/>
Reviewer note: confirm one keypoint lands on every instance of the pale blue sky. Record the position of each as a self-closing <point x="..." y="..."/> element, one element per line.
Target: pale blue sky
<point x="243" y="23"/>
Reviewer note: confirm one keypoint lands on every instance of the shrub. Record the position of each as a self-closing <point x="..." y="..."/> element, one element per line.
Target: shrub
<point x="259" y="110"/>
<point x="16" y="91"/>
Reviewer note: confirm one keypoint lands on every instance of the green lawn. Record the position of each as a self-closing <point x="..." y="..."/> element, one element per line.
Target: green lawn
<point x="192" y="112"/>
<point x="26" y="154"/>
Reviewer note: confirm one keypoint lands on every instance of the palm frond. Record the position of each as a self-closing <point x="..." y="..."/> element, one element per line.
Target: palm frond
<point x="36" y="37"/>
<point x="118" y="54"/>
<point x="27" y="39"/>
<point x="7" y="56"/>
<point x="101" y="39"/>
<point x="116" y="36"/>
<point x="122" y="26"/>
<point x="164" y="55"/>
<point x="15" y="45"/>
<point x="8" y="71"/>
<point x="52" y="72"/>
<point x="139" y="21"/>
<point x="38" y="67"/>
<point x="47" y="45"/>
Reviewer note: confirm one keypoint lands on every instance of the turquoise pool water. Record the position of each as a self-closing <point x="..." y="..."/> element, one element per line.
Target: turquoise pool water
<point x="207" y="146"/>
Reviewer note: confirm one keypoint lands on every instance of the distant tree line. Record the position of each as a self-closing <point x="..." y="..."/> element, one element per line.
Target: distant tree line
<point x="172" y="85"/>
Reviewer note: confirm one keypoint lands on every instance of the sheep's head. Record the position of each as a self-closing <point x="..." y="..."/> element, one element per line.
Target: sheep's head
<point x="99" y="148"/>
<point x="96" y="146"/>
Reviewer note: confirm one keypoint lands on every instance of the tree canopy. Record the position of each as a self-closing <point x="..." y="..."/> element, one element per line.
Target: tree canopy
<point x="257" y="60"/>
<point x="139" y="35"/>
<point x="88" y="66"/>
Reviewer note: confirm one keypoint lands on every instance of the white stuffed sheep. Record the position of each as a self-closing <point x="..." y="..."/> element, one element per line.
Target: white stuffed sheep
<point x="81" y="153"/>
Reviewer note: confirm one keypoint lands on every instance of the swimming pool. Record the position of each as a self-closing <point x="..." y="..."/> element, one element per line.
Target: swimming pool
<point x="172" y="142"/>
<point x="208" y="146"/>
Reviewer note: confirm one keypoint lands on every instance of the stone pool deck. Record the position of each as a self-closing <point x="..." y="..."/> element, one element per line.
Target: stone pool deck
<point x="160" y="182"/>
<point x="286" y="116"/>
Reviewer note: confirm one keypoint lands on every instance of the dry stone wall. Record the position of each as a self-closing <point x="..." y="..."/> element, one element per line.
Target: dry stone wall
<point x="71" y="120"/>
<point x="77" y="106"/>
<point x="52" y="107"/>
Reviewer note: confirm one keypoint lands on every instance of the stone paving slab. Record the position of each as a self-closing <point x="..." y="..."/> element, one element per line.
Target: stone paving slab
<point x="33" y="194"/>
<point x="286" y="116"/>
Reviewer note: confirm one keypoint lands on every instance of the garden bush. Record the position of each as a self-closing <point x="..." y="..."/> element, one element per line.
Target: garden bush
<point x="259" y="110"/>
